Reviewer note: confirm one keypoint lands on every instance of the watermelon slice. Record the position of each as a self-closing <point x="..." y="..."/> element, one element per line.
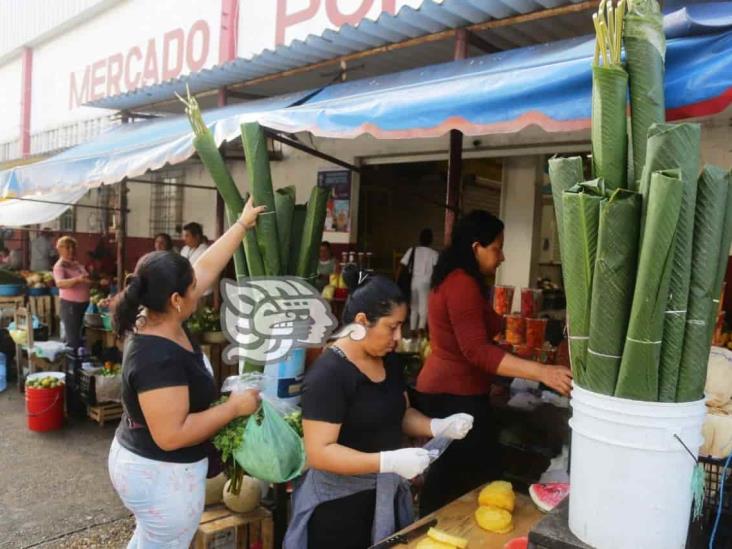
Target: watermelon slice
<point x="547" y="496"/>
<point x="517" y="543"/>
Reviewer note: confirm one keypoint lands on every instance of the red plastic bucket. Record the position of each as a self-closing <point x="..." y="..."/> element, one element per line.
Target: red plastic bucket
<point x="45" y="408"/>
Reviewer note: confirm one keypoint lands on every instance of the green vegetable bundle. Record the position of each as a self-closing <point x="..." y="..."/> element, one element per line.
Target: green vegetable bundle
<point x="708" y="233"/>
<point x="209" y="154"/>
<point x="609" y="99"/>
<point x="676" y="146"/>
<point x="260" y="183"/>
<point x="723" y="254"/>
<point x="564" y="173"/>
<point x="612" y="288"/>
<point x="581" y="212"/>
<point x="638" y="376"/>
<point x="645" y="49"/>
<point x="312" y="234"/>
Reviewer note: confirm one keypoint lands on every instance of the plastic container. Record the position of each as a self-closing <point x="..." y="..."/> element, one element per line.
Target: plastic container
<point x="531" y="299"/>
<point x="283" y="380"/>
<point x="107" y="321"/>
<point x="35" y="292"/>
<point x="11" y="290"/>
<point x="3" y="373"/>
<point x="536" y="332"/>
<point x="515" y="329"/>
<point x="630" y="476"/>
<point x="502" y="299"/>
<point x="45" y="407"/>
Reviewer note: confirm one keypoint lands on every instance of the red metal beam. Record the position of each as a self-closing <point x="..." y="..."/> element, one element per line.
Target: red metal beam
<point x="26" y="98"/>
<point x="455" y="157"/>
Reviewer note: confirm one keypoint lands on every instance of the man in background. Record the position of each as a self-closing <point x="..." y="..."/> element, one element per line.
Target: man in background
<point x="43" y="252"/>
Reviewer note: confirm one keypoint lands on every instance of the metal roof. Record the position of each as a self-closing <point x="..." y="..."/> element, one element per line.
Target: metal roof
<point x="431" y="17"/>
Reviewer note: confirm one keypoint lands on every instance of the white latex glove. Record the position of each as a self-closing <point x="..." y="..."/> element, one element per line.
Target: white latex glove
<point x="455" y="427"/>
<point x="407" y="462"/>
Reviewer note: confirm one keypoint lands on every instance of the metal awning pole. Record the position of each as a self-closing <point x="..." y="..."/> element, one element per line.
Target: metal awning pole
<point x="122" y="226"/>
<point x="455" y="156"/>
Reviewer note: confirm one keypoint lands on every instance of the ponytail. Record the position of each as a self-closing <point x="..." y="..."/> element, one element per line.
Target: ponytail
<point x="374" y="295"/>
<point x="157" y="277"/>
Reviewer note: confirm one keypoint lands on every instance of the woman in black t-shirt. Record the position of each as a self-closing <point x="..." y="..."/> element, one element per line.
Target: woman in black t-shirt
<point x="158" y="461"/>
<point x="355" y="412"/>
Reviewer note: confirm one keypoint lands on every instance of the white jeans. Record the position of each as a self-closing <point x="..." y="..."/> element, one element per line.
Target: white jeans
<point x="167" y="499"/>
<point x="420" y="295"/>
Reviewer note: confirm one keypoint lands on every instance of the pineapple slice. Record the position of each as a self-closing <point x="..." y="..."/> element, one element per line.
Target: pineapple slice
<point x="444" y="537"/>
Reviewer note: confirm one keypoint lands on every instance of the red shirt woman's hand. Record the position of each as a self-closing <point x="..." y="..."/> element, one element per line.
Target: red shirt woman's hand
<point x="558" y="378"/>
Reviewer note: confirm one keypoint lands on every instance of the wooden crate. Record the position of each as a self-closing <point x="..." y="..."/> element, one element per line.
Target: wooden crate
<point x="42" y="307"/>
<point x="222" y="529"/>
<point x="56" y="329"/>
<point x="102" y="413"/>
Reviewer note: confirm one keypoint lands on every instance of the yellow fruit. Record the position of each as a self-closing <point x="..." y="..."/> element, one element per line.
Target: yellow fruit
<point x="444" y="537"/>
<point x="429" y="543"/>
<point x="498" y="494"/>
<point x="493" y="519"/>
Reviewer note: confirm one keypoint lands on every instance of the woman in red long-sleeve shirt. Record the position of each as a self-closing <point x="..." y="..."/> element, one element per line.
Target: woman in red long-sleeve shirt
<point x="458" y="373"/>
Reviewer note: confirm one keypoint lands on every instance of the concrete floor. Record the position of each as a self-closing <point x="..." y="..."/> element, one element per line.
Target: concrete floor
<point x="55" y="484"/>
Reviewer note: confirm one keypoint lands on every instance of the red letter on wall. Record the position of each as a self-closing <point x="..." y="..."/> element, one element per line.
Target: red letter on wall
<point x="196" y="62"/>
<point x="114" y="73"/>
<point x="78" y="97"/>
<point x="97" y="80"/>
<point x="285" y="20"/>
<point x="132" y="83"/>
<point x="339" y="19"/>
<point x="173" y="39"/>
<point x="151" y="74"/>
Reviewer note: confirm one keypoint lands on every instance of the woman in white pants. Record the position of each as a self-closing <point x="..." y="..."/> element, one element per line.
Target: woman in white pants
<point x="158" y="460"/>
<point x="425" y="259"/>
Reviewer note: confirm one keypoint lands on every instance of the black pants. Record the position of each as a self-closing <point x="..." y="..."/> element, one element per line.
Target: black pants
<point x="467" y="463"/>
<point x="343" y="523"/>
<point x="72" y="316"/>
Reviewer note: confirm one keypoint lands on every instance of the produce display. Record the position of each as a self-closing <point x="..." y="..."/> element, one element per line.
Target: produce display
<point x="42" y="279"/>
<point x="206" y="319"/>
<point x="48" y="382"/>
<point x="11" y="277"/>
<point x="643" y="257"/>
<point x="515" y="329"/>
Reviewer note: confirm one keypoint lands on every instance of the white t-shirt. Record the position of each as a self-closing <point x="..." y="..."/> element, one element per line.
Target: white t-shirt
<point x="425" y="260"/>
<point x="192" y="255"/>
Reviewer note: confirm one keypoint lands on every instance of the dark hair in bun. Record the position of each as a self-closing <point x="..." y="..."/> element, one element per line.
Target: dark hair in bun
<point x="373" y="295"/>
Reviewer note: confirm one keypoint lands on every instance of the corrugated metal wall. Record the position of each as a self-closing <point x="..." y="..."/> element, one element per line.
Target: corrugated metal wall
<point x="21" y="21"/>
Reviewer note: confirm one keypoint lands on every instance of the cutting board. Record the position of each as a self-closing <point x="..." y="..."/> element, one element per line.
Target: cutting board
<point x="457" y="518"/>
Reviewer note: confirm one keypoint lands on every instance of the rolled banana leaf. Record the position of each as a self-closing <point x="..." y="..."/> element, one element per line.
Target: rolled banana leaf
<point x="581" y="212"/>
<point x="691" y="376"/>
<point x="285" y="206"/>
<point x="609" y="125"/>
<point x="723" y="254"/>
<point x="260" y="181"/>
<point x="670" y="146"/>
<point x="612" y="288"/>
<point x="296" y="232"/>
<point x="564" y="173"/>
<point x="639" y="368"/>
<point x="312" y="234"/>
<point x="676" y="312"/>
<point x="645" y="52"/>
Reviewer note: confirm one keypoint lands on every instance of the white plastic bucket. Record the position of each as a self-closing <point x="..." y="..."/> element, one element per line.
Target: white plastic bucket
<point x="630" y="477"/>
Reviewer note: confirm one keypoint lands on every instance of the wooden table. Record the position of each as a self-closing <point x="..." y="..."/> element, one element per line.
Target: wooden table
<point x="457" y="518"/>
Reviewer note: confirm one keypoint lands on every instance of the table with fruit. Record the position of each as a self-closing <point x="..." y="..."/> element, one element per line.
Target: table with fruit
<point x="490" y="517"/>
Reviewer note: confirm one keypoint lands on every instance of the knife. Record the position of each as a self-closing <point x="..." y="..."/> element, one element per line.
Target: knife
<point x="405" y="537"/>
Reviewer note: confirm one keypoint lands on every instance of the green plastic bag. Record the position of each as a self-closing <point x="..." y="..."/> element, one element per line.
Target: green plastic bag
<point x="271" y="449"/>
